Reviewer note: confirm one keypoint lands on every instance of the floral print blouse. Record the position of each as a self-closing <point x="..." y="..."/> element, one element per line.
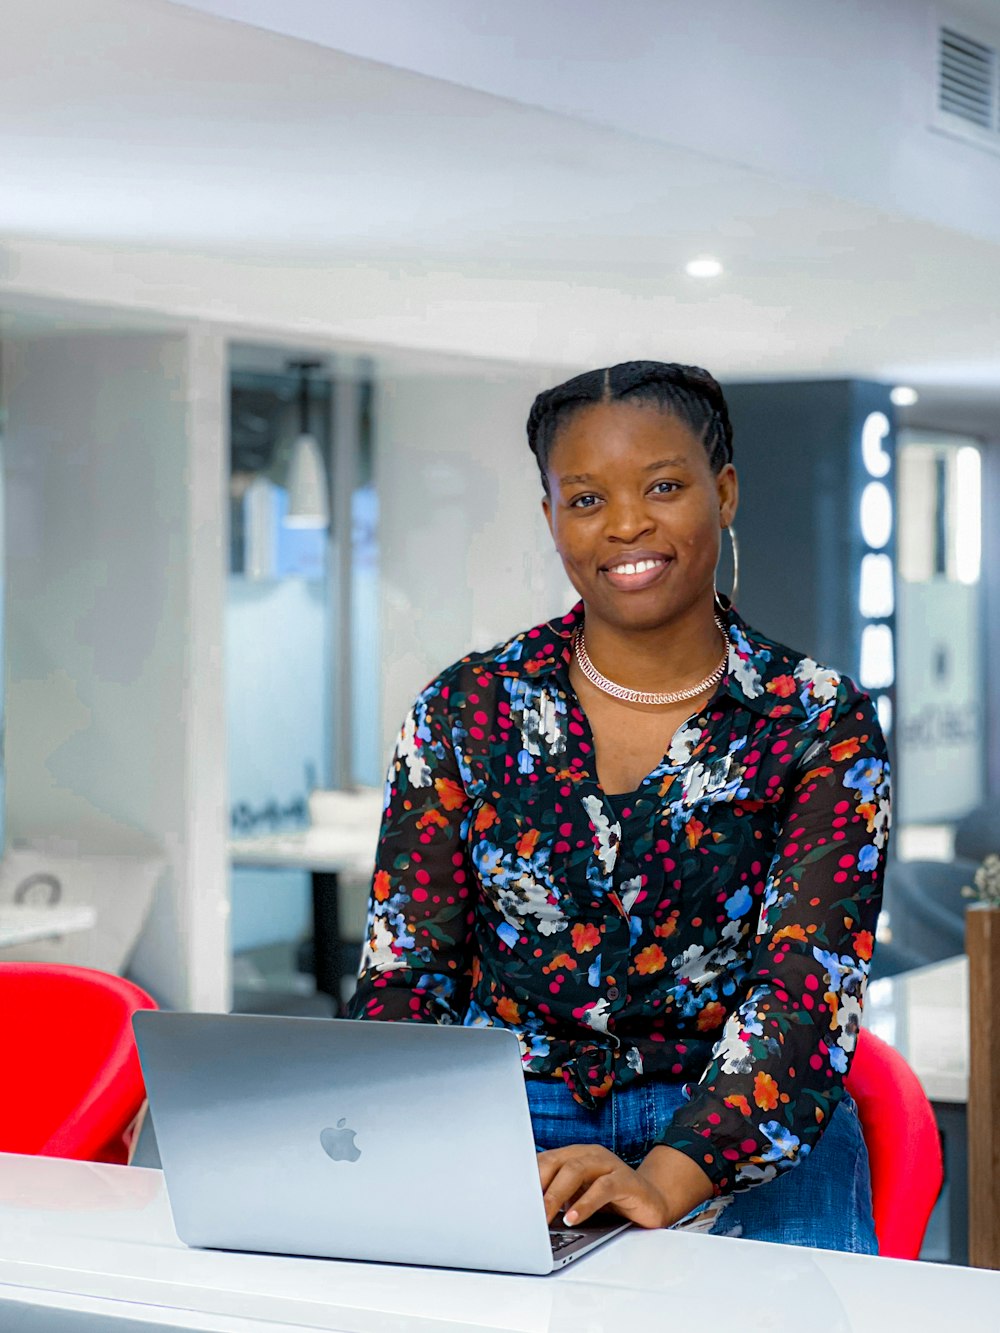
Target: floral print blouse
<point x="716" y="925"/>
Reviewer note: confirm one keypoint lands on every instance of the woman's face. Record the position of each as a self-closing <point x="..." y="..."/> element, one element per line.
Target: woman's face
<point x="636" y="513"/>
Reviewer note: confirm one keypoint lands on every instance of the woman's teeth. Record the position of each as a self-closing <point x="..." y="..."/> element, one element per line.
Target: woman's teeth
<point x="640" y="567"/>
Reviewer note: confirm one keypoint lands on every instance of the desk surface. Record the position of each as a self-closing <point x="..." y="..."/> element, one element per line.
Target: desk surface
<point x="925" y="1015"/>
<point x="20" y="923"/>
<point x="322" y="848"/>
<point x="77" y="1236"/>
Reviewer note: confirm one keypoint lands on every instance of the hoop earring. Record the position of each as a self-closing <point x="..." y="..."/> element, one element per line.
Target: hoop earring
<point x="736" y="569"/>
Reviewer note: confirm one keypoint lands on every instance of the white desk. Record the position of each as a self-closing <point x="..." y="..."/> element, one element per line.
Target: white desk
<point x="327" y="853"/>
<point x="332" y="850"/>
<point x="79" y="1236"/>
<point x="21" y="923"/>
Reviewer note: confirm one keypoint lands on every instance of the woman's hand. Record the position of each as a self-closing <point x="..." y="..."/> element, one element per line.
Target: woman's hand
<point x="584" y="1178"/>
<point x="580" y="1180"/>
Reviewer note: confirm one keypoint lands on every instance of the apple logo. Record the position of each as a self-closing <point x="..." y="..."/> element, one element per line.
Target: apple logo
<point x="339" y="1143"/>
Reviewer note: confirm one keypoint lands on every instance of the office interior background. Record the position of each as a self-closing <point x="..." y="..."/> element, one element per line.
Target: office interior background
<point x="231" y="223"/>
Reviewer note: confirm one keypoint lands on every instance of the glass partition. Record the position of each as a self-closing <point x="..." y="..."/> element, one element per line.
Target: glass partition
<point x="302" y="654"/>
<point x="940" y="694"/>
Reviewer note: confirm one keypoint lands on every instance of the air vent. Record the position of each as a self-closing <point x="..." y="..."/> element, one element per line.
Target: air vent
<point x="967" y="80"/>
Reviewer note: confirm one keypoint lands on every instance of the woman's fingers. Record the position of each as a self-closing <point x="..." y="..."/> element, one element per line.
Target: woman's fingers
<point x="599" y="1194"/>
<point x="569" y="1181"/>
<point x="566" y="1172"/>
<point x="548" y="1164"/>
<point x="624" y="1193"/>
<point x="577" y="1153"/>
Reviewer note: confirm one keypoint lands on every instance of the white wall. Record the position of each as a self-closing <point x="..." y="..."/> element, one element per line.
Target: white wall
<point x="115" y="731"/>
<point x="465" y="554"/>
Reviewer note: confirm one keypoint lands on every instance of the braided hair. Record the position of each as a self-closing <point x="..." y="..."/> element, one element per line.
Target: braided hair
<point x="686" y="392"/>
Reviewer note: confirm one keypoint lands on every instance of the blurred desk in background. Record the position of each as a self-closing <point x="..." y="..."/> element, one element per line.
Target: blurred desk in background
<point x="327" y="853"/>
<point x="925" y="1015"/>
<point x="23" y="923"/>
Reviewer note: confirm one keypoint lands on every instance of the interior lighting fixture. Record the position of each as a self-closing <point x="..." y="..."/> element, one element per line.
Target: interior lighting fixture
<point x="883" y="706"/>
<point x="308" y="491"/>
<point x="876" y="600"/>
<point x="703" y="267"/>
<point x="903" y="396"/>
<point x="877" y="668"/>
<point x="876" y="459"/>
<point x="876" y="515"/>
<point x="968" y="514"/>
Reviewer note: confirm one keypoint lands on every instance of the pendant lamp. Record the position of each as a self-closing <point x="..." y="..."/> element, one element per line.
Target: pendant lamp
<point x="308" y="491"/>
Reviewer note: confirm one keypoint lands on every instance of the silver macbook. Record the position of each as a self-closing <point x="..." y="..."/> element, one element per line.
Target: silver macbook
<point x="406" y="1143"/>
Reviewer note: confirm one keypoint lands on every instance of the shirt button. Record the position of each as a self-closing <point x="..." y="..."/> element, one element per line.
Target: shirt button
<point x="613" y="992"/>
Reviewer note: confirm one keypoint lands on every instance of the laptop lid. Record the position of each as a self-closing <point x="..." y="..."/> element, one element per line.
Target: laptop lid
<point x="406" y="1143"/>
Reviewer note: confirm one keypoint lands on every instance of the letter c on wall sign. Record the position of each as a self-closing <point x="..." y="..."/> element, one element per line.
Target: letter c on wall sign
<point x="873" y="432"/>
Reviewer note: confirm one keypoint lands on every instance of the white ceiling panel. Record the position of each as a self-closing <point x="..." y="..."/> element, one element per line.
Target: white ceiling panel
<point x="162" y="160"/>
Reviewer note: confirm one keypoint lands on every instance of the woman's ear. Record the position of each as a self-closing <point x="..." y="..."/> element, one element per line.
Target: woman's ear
<point x="728" y="489"/>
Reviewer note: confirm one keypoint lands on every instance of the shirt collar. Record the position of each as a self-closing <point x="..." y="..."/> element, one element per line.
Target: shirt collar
<point x="761" y="674"/>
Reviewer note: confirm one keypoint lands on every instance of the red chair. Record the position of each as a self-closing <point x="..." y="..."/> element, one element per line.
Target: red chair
<point x="72" y="1083"/>
<point x="904" y="1146"/>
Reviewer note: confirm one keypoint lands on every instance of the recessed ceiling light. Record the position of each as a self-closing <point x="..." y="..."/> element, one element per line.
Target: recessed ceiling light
<point x="903" y="396"/>
<point x="705" y="267"/>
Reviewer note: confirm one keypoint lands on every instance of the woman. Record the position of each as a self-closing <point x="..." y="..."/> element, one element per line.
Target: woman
<point x="651" y="842"/>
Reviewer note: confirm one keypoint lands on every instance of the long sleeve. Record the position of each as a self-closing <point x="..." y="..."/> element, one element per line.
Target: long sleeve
<point x="417" y="957"/>
<point x="776" y="1074"/>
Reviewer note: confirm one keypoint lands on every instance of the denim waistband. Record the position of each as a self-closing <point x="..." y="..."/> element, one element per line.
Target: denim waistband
<point x="627" y="1121"/>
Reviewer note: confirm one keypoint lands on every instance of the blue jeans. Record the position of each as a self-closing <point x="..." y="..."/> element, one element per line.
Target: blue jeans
<point x="825" y="1201"/>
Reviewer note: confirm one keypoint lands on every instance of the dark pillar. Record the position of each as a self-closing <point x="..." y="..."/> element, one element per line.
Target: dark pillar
<point x="803" y="471"/>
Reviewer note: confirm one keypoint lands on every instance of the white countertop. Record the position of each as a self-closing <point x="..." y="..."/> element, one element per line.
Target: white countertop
<point x="77" y="1235"/>
<point x="320" y="847"/>
<point x="20" y="923"/>
<point x="925" y="1015"/>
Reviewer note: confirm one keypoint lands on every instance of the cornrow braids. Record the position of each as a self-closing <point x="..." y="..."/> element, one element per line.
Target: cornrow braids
<point x="686" y="392"/>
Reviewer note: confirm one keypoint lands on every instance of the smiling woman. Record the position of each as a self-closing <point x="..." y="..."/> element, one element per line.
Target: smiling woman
<point x="651" y="842"/>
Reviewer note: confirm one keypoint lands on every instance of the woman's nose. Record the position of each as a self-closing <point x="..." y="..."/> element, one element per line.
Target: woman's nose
<point x="627" y="519"/>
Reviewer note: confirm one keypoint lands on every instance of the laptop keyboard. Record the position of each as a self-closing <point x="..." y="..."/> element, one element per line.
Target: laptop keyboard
<point x="560" y="1239"/>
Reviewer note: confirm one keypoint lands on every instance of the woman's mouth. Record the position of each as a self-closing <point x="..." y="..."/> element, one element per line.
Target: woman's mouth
<point x="631" y="575"/>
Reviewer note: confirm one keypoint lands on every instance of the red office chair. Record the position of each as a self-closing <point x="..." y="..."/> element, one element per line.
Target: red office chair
<point x="904" y="1146"/>
<point x="71" y="1077"/>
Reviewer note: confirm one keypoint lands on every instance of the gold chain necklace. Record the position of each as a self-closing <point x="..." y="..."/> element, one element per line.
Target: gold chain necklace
<point x="646" y="696"/>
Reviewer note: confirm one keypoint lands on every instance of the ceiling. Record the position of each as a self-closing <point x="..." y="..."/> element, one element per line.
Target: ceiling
<point x="393" y="209"/>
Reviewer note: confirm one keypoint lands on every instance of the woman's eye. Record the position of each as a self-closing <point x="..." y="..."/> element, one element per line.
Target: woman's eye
<point x="664" y="487"/>
<point x="583" y="502"/>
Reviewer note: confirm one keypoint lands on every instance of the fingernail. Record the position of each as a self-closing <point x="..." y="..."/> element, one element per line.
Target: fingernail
<point x="570" y="1217"/>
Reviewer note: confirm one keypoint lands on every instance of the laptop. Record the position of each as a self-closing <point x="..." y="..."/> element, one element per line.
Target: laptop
<point x="406" y="1143"/>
